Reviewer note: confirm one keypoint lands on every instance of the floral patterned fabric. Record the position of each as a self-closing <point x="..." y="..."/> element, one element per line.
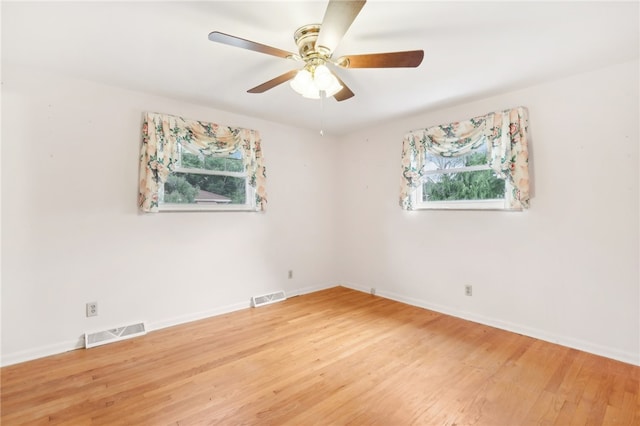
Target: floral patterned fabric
<point x="506" y="135"/>
<point x="161" y="135"/>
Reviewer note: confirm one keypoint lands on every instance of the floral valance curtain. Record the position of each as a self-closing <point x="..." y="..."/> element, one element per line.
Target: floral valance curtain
<point x="506" y="135"/>
<point x="161" y="135"/>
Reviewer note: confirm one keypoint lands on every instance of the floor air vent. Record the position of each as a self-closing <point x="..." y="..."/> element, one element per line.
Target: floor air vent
<point x="266" y="299"/>
<point x="114" y="335"/>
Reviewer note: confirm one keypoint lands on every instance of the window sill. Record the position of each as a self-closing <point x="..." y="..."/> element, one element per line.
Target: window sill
<point x="494" y="205"/>
<point x="169" y="208"/>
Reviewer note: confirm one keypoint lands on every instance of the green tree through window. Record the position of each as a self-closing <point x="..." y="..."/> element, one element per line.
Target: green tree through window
<point x="207" y="173"/>
<point x="462" y="184"/>
<point x="179" y="190"/>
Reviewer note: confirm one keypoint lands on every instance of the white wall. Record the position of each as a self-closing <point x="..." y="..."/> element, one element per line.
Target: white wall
<point x="71" y="232"/>
<point x="566" y="270"/>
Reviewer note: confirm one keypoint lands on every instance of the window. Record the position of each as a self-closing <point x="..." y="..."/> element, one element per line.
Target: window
<point x="190" y="165"/>
<point x="462" y="182"/>
<point x="206" y="182"/>
<point x="480" y="163"/>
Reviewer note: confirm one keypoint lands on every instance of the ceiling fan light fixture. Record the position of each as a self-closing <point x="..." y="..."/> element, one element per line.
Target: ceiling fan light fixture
<point x="316" y="43"/>
<point x="302" y="81"/>
<point x="322" y="77"/>
<point x="310" y="83"/>
<point x="326" y="81"/>
<point x="311" y="93"/>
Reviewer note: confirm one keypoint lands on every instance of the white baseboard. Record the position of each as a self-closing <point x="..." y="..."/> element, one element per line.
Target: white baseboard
<point x="310" y="289"/>
<point x="42" y="351"/>
<point x="183" y="319"/>
<point x="593" y="348"/>
<point x="70" y="345"/>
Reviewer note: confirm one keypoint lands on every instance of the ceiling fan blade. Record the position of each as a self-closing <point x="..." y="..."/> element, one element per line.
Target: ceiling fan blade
<point x="343" y="94"/>
<point x="273" y="82"/>
<point x="249" y="45"/>
<point x="410" y="59"/>
<point x="337" y="19"/>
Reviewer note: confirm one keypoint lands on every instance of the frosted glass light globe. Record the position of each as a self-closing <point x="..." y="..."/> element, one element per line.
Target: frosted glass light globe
<point x="302" y="81"/>
<point x="322" y="77"/>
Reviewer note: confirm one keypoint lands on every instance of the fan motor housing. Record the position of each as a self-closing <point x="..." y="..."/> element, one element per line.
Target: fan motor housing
<point x="305" y="38"/>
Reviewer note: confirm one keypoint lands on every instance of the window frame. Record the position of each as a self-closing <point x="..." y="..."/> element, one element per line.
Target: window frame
<point x="250" y="196"/>
<point x="417" y="194"/>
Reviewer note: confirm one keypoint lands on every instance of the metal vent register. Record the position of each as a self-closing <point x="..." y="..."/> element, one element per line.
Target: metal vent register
<point x="266" y="299"/>
<point x="113" y="335"/>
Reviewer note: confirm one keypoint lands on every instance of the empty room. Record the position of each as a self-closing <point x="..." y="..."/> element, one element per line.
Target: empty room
<point x="320" y="212"/>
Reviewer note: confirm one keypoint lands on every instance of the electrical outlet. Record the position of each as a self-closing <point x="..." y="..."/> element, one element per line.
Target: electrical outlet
<point x="468" y="290"/>
<point x="373" y="291"/>
<point x="290" y="274"/>
<point x="92" y="309"/>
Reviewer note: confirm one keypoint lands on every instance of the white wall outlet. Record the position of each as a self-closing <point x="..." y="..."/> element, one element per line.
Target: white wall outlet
<point x="92" y="309"/>
<point x="373" y="291"/>
<point x="290" y="275"/>
<point x="468" y="290"/>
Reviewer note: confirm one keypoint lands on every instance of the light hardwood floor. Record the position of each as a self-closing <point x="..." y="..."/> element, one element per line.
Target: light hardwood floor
<point x="333" y="357"/>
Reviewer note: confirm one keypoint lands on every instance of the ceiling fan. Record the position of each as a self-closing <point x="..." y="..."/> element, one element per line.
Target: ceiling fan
<point x="316" y="44"/>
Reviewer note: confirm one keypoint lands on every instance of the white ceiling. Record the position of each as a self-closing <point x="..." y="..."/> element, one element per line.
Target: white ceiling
<point x="472" y="50"/>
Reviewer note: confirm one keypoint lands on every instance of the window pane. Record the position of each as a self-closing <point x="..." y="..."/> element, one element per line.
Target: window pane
<point x="193" y="188"/>
<point x="226" y="164"/>
<point x="230" y="163"/>
<point x="475" y="158"/>
<point x="437" y="162"/>
<point x="191" y="161"/>
<point x="473" y="185"/>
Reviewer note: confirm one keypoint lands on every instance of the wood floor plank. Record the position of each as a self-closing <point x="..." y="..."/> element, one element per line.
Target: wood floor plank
<point x="332" y="357"/>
